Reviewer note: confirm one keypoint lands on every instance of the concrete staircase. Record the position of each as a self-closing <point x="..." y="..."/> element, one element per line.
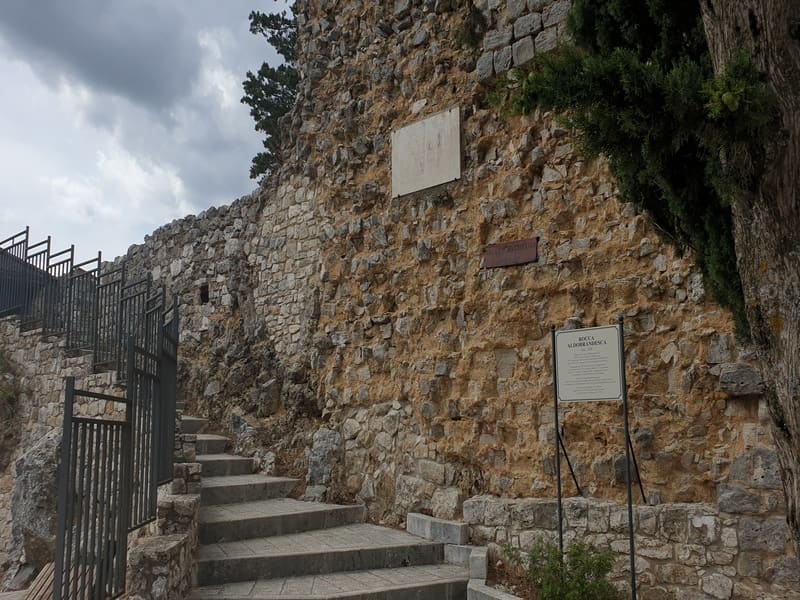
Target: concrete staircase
<point x="258" y="544"/>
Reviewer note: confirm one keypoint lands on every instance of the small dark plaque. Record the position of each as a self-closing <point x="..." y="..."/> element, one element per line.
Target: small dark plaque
<point x="511" y="253"/>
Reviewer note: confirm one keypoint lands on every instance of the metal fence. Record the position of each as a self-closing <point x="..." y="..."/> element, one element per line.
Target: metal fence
<point x="96" y="306"/>
<point x="110" y="467"/>
<point x="94" y="495"/>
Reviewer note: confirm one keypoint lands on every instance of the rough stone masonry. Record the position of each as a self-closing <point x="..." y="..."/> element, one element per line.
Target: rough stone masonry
<point x="321" y="303"/>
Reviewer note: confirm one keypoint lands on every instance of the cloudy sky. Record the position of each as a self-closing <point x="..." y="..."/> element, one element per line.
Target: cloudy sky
<point x="117" y="116"/>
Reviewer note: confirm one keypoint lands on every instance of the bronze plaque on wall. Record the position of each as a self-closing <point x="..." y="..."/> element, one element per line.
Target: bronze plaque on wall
<point x="511" y="253"/>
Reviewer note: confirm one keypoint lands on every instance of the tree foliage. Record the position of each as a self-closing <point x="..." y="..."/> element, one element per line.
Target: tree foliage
<point x="638" y="86"/>
<point x="271" y="91"/>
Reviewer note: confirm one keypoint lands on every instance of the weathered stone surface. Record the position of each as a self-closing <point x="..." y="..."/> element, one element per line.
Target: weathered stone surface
<point x="718" y="585"/>
<point x="522" y="51"/>
<point x="739" y="379"/>
<point x="734" y="499"/>
<point x="484" y="68"/>
<point x="761" y="534"/>
<point x="498" y="38"/>
<point x="35" y="499"/>
<point x="324" y="454"/>
<point x="529" y="24"/>
<point x="503" y="58"/>
<point x="446" y="503"/>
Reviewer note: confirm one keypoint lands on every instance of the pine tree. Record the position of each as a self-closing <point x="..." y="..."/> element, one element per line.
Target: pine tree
<point x="270" y="92"/>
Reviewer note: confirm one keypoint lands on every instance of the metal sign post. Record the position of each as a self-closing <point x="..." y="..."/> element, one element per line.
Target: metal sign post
<point x="589" y="366"/>
<point x="558" y="438"/>
<point x="627" y="453"/>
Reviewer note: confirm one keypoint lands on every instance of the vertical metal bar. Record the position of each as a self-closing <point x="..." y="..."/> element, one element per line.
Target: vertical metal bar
<point x="63" y="490"/>
<point x="71" y="500"/>
<point x="636" y="469"/>
<point x="558" y="441"/>
<point x="81" y="429"/>
<point x="627" y="453"/>
<point x="96" y="506"/>
<point x="95" y="295"/>
<point x="569" y="464"/>
<point x="102" y="503"/>
<point x="86" y="511"/>
<point x="125" y="495"/>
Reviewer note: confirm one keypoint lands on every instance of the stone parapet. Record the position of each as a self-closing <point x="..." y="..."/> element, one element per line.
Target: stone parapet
<point x="683" y="550"/>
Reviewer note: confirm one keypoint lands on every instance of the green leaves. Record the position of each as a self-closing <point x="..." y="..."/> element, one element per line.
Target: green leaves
<point x="639" y="88"/>
<point x="580" y="575"/>
<point x="271" y="91"/>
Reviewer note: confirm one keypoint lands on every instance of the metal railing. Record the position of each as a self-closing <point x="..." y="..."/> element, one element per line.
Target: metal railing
<point x="96" y="306"/>
<point x="94" y="495"/>
<point x="110" y="467"/>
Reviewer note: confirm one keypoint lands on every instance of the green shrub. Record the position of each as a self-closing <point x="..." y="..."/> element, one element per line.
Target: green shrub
<point x="581" y="575"/>
<point x="638" y="87"/>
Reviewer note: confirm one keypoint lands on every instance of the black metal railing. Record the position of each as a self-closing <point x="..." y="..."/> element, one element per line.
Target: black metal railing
<point x="110" y="467"/>
<point x="94" y="495"/>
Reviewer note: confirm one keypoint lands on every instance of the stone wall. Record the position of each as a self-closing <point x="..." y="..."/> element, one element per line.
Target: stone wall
<point x="688" y="550"/>
<point x="437" y="370"/>
<point x="517" y="30"/>
<point x="241" y="274"/>
<point x="322" y="304"/>
<point x="41" y="364"/>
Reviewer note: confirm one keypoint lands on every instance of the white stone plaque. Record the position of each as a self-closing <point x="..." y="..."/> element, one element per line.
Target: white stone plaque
<point x="427" y="153"/>
<point x="588" y="364"/>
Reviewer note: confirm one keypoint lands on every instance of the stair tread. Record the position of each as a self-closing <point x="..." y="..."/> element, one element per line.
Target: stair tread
<point x="335" y="585"/>
<point x="231" y="457"/>
<point x="346" y="537"/>
<point x="234" y="480"/>
<point x="211" y="436"/>
<point x="275" y="507"/>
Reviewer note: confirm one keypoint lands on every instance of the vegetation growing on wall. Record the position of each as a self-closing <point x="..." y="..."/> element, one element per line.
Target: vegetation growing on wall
<point x="271" y="91"/>
<point x="638" y="86"/>
<point x="9" y="394"/>
<point x="581" y="573"/>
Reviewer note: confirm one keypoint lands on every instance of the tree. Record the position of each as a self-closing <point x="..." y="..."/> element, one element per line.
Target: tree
<point x="766" y="214"/>
<point x="698" y="111"/>
<point x="270" y="93"/>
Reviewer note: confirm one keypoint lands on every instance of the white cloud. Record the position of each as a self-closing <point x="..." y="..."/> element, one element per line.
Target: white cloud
<point x="90" y="154"/>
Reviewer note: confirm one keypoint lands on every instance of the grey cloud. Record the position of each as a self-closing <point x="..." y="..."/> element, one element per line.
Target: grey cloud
<point x="139" y="50"/>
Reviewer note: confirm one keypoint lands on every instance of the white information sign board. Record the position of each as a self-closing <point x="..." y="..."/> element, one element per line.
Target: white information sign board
<point x="588" y="364"/>
<point x="427" y="153"/>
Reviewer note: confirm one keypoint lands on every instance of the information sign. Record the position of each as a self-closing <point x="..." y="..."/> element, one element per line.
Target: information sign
<point x="588" y="364"/>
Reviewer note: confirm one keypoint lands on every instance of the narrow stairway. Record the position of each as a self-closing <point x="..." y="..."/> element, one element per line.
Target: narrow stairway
<point x="258" y="544"/>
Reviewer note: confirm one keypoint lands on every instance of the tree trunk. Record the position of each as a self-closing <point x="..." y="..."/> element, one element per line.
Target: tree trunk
<point x="767" y="219"/>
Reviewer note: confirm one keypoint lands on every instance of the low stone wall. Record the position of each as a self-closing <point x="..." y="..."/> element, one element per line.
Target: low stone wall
<point x="682" y="550"/>
<point x="160" y="562"/>
<point x="157" y="568"/>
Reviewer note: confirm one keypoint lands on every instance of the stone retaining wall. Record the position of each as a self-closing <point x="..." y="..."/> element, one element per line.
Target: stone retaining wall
<point x="691" y="550"/>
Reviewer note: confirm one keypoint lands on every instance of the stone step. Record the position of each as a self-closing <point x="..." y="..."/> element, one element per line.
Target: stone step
<point x="427" y="582"/>
<point x="244" y="488"/>
<point x="192" y="424"/>
<point x="349" y="548"/>
<point x="220" y="465"/>
<point x="208" y="443"/>
<point x="265" y="518"/>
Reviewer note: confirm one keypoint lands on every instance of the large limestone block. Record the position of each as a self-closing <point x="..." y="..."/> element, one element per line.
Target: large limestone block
<point x="33" y="506"/>
<point x="739" y="379"/>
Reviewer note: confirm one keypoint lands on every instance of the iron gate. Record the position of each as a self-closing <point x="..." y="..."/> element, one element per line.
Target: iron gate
<point x="93" y="497"/>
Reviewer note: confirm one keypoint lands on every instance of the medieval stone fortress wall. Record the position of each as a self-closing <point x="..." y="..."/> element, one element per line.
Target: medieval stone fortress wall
<point x="423" y="379"/>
